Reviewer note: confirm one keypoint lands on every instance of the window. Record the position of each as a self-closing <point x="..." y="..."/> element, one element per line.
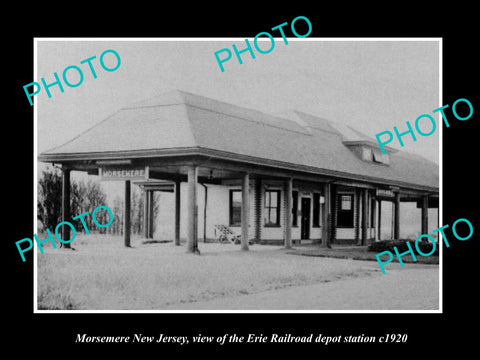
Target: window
<point x="367" y="154"/>
<point x="346" y="202"/>
<point x="294" y="208"/>
<point x="316" y="210"/>
<point x="235" y="207"/>
<point x="272" y="208"/>
<point x="345" y="211"/>
<point x="381" y="158"/>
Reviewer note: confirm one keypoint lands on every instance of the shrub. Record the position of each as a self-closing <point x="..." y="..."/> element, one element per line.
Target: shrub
<point x="85" y="197"/>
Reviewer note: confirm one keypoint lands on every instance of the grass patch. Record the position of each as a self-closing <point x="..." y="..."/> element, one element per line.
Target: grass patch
<point x="424" y="246"/>
<point x="367" y="253"/>
<point x="146" y="242"/>
<point x="102" y="274"/>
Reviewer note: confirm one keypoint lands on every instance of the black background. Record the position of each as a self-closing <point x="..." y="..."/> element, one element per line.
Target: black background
<point x="53" y="334"/>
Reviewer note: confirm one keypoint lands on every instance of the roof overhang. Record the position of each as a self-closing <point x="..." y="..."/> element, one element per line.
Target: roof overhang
<point x="198" y="155"/>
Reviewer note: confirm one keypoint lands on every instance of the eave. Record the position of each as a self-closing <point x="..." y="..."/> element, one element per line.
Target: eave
<point x="284" y="167"/>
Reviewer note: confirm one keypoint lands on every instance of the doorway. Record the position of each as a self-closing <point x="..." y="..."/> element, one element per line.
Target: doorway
<point x="305" y="223"/>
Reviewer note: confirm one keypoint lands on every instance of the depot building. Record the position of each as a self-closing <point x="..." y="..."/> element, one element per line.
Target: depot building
<point x="269" y="179"/>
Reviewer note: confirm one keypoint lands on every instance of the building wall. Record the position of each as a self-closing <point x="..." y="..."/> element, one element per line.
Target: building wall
<point x="218" y="213"/>
<point x="222" y="205"/>
<point x="351" y="233"/>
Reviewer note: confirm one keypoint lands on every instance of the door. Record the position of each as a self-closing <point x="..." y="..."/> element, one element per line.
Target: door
<point x="305" y="224"/>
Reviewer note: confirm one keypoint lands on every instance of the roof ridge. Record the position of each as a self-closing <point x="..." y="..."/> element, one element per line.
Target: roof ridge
<point x="150" y="106"/>
<point x="178" y="92"/>
<point x="82" y="133"/>
<point x="238" y="107"/>
<point x="334" y="132"/>
<point x="253" y="120"/>
<point x="189" y="124"/>
<point x="184" y="101"/>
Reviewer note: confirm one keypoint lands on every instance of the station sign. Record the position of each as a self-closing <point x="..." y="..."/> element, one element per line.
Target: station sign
<point x="383" y="193"/>
<point x="112" y="173"/>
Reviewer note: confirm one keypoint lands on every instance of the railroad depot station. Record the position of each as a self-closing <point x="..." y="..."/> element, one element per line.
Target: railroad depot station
<point x="270" y="179"/>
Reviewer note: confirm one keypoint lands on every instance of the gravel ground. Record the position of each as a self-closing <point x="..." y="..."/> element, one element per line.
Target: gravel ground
<point x="400" y="289"/>
<point x="101" y="274"/>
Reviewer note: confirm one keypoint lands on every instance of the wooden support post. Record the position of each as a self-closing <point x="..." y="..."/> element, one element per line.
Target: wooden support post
<point x="146" y="208"/>
<point x="396" y="226"/>
<point x="326" y="215"/>
<point x="150" y="214"/>
<point x="126" y="210"/>
<point x="66" y="205"/>
<point x="374" y="218"/>
<point x="332" y="218"/>
<point x="425" y="214"/>
<point x="364" y="216"/>
<point x="258" y="210"/>
<point x="192" y="243"/>
<point x="392" y="222"/>
<point x="288" y="213"/>
<point x="205" y="214"/>
<point x="379" y="232"/>
<point x="177" y="212"/>
<point x="245" y="210"/>
<point x="356" y="220"/>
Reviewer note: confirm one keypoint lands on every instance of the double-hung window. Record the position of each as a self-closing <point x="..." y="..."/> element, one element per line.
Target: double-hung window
<point x="345" y="211"/>
<point x="272" y="208"/>
<point x="235" y="207"/>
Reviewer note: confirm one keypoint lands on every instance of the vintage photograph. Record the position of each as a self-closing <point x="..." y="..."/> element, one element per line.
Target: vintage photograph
<point x="261" y="187"/>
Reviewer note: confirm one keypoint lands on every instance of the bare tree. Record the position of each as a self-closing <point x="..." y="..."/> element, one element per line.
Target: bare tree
<point x="117" y="226"/>
<point x="49" y="207"/>
<point x="90" y="196"/>
<point x="85" y="197"/>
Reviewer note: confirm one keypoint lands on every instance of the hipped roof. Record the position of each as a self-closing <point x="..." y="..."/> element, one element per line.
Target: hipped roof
<point x="179" y="120"/>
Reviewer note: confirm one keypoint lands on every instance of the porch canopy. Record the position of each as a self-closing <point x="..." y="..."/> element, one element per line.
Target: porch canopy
<point x="182" y="137"/>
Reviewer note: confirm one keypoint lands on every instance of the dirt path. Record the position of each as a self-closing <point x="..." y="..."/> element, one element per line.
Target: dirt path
<point x="409" y="288"/>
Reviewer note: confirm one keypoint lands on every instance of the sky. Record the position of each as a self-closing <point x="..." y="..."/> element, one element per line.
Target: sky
<point x="369" y="85"/>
